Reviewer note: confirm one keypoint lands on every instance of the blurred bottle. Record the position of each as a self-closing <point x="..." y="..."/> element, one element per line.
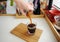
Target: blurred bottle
<point x="36" y="4"/>
<point x="50" y="4"/>
<point x="11" y="7"/>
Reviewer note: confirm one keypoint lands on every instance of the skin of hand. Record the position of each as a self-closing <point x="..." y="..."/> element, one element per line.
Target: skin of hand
<point x="24" y="6"/>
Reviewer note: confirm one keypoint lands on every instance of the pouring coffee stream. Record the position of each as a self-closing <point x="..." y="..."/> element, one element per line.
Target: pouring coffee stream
<point x="29" y="16"/>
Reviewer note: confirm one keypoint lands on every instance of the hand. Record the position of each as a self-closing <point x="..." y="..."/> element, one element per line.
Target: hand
<point x="24" y="6"/>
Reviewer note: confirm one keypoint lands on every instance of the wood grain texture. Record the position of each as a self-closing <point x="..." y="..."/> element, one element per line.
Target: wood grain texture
<point x="22" y="32"/>
<point x="57" y="35"/>
<point x="32" y="16"/>
<point x="55" y="32"/>
<point x="7" y="14"/>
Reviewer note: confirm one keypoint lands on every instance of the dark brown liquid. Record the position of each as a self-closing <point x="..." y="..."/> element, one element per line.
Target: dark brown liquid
<point x="31" y="25"/>
<point x="28" y="15"/>
<point x="31" y="28"/>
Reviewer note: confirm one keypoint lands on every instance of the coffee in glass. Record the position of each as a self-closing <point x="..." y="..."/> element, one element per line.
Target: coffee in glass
<point x="31" y="28"/>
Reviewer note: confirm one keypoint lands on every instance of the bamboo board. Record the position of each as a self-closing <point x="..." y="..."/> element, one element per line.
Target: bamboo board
<point x="21" y="32"/>
<point x="57" y="35"/>
<point x="22" y="16"/>
<point x="55" y="32"/>
<point x="7" y="14"/>
<point x="32" y="16"/>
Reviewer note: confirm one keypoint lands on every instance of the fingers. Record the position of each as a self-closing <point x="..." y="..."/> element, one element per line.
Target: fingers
<point x="24" y="6"/>
<point x="22" y="11"/>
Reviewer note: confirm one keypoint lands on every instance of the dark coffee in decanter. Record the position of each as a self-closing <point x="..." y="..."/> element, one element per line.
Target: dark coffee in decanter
<point x="50" y="4"/>
<point x="36" y="4"/>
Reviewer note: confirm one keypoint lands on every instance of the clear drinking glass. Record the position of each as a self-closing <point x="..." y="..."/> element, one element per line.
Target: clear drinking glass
<point x="31" y="28"/>
<point x="57" y="20"/>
